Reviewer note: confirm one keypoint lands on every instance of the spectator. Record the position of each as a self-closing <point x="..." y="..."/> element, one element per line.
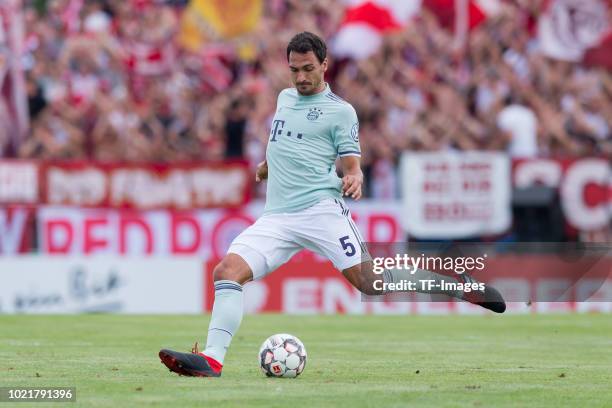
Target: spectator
<point x="54" y="137"/>
<point x="108" y="80"/>
<point x="235" y="127"/>
<point x="519" y="125"/>
<point x="36" y="99"/>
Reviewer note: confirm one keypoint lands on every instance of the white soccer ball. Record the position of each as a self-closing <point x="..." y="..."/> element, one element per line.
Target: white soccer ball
<point x="282" y="355"/>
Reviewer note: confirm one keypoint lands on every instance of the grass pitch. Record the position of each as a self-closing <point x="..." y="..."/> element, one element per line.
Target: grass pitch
<point x="353" y="361"/>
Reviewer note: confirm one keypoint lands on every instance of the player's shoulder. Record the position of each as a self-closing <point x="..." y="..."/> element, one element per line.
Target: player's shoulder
<point x="340" y="106"/>
<point x="287" y="93"/>
<point x="332" y="97"/>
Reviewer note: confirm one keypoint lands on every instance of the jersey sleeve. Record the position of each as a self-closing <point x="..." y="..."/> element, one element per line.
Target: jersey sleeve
<point x="282" y="95"/>
<point x="346" y="133"/>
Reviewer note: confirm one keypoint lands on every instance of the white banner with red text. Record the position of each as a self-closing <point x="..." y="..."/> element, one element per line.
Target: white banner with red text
<point x="460" y="195"/>
<point x="19" y="182"/>
<point x="87" y="184"/>
<point x="438" y="201"/>
<point x="584" y="185"/>
<point x="455" y="195"/>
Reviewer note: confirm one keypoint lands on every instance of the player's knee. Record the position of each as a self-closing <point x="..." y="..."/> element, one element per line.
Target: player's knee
<point x="221" y="272"/>
<point x="362" y="278"/>
<point x="228" y="270"/>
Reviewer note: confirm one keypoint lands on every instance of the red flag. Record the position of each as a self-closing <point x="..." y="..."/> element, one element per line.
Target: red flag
<point x="447" y="11"/>
<point x="365" y="22"/>
<point x="378" y="17"/>
<point x="600" y="55"/>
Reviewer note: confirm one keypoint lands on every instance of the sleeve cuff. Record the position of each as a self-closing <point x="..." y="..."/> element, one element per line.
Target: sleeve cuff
<point x="350" y="153"/>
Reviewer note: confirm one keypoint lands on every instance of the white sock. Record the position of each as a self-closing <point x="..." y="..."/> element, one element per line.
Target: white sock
<point x="226" y="317"/>
<point x="398" y="275"/>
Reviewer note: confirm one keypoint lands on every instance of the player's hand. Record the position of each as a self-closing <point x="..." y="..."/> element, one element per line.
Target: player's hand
<point x="351" y="185"/>
<point x="262" y="171"/>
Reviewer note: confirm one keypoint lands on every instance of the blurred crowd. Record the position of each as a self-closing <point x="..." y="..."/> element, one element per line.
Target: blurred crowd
<point x="108" y="80"/>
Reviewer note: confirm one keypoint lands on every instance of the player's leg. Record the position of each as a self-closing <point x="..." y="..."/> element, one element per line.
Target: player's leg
<point x="366" y="281"/>
<point x="333" y="233"/>
<point x="229" y="276"/>
<point x="363" y="278"/>
<point x="257" y="251"/>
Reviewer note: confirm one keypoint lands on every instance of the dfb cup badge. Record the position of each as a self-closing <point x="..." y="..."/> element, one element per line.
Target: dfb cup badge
<point x="355" y="132"/>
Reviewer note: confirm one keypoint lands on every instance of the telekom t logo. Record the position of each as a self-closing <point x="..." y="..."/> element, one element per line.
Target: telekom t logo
<point x="277" y="130"/>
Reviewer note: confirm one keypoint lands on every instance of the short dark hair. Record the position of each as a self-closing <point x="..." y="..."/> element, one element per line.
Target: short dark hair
<point x="306" y="41"/>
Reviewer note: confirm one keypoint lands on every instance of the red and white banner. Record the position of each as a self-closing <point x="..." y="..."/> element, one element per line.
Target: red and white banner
<point x="585" y="187"/>
<point x="18" y="182"/>
<point x="567" y="29"/>
<point x="205" y="233"/>
<point x="182" y="186"/>
<point x="16" y="230"/>
<point x="439" y="199"/>
<point x="455" y="195"/>
<point x="85" y="184"/>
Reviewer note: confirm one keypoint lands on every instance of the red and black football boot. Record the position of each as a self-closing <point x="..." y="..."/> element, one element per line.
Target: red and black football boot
<point x="194" y="364"/>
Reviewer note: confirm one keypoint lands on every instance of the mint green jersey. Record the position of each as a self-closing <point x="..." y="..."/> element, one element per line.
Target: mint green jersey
<point x="308" y="134"/>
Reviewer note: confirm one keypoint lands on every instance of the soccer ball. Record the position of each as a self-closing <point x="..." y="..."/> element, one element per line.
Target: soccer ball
<point x="282" y="355"/>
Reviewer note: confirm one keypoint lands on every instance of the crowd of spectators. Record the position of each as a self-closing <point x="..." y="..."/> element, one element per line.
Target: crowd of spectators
<point x="108" y="80"/>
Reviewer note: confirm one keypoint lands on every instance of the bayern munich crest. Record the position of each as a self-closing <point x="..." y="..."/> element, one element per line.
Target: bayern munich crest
<point x="314" y="114"/>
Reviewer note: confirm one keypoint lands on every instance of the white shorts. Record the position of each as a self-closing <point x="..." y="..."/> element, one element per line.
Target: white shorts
<point x="325" y="228"/>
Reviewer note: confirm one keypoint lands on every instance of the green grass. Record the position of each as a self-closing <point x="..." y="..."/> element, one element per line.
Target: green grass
<point x="353" y="361"/>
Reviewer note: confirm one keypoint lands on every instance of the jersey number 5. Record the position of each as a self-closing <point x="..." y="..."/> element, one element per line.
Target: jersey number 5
<point x="349" y="249"/>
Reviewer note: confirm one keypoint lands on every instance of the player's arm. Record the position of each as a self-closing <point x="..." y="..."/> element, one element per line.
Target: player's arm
<point x="346" y="139"/>
<point x="262" y="171"/>
<point x="353" y="176"/>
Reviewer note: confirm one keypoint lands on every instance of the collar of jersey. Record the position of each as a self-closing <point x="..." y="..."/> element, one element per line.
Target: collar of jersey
<point x="315" y="96"/>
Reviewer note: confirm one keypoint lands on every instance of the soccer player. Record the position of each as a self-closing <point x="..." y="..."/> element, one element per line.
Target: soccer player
<point x="304" y="206"/>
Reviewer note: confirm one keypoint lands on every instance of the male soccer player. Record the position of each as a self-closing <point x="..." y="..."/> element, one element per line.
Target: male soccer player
<point x="304" y="206"/>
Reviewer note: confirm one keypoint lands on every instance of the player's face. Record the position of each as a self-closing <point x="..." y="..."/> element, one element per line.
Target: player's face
<point x="307" y="72"/>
